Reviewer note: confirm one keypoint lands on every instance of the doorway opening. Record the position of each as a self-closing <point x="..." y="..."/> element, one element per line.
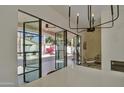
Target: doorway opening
<point x="73" y="49"/>
<point x="92" y="49"/>
<point x="43" y="47"/>
<point x="28" y="48"/>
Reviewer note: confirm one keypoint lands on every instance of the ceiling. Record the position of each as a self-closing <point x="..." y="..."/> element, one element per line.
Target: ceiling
<point x="34" y="26"/>
<point x="63" y="10"/>
<point x="82" y="10"/>
<point x="25" y="18"/>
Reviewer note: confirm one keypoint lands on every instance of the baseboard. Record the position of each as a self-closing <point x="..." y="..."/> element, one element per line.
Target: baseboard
<point x="8" y="84"/>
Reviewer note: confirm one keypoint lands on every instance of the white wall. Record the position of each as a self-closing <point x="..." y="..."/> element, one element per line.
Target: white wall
<point x="113" y="41"/>
<point x="8" y="27"/>
<point x="8" y="22"/>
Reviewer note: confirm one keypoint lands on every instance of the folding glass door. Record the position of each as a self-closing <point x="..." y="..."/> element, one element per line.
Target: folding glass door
<point x="61" y="49"/>
<point x="77" y="49"/>
<point x="42" y="47"/>
<point x="31" y="50"/>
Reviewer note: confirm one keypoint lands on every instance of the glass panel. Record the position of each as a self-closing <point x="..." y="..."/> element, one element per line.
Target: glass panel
<point x="74" y="50"/>
<point x="60" y="45"/>
<point x="60" y="54"/>
<point x="60" y="50"/>
<point x="32" y="75"/>
<point x="31" y="37"/>
<point x="70" y="49"/>
<point x="31" y="51"/>
<point x="78" y="50"/>
<point x="19" y="41"/>
<point x="20" y="52"/>
<point x="20" y="63"/>
<point x="48" y="48"/>
<point x="32" y="60"/>
<point x="27" y="48"/>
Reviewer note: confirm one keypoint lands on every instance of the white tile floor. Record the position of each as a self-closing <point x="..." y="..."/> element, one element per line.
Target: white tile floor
<point x="48" y="64"/>
<point x="79" y="76"/>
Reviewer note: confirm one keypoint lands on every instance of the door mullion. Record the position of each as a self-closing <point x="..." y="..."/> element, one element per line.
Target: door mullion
<point x="40" y="48"/>
<point x="24" y="54"/>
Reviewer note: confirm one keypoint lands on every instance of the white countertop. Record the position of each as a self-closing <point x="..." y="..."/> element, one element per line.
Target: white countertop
<point x="79" y="76"/>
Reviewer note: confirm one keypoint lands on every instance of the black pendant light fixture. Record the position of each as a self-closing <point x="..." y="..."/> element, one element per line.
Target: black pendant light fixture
<point x="91" y="19"/>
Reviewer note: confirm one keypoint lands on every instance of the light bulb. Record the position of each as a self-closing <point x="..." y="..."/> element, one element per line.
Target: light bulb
<point x="92" y="15"/>
<point x="78" y="14"/>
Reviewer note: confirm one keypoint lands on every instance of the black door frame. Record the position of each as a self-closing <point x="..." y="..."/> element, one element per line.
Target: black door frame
<point x="39" y="52"/>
